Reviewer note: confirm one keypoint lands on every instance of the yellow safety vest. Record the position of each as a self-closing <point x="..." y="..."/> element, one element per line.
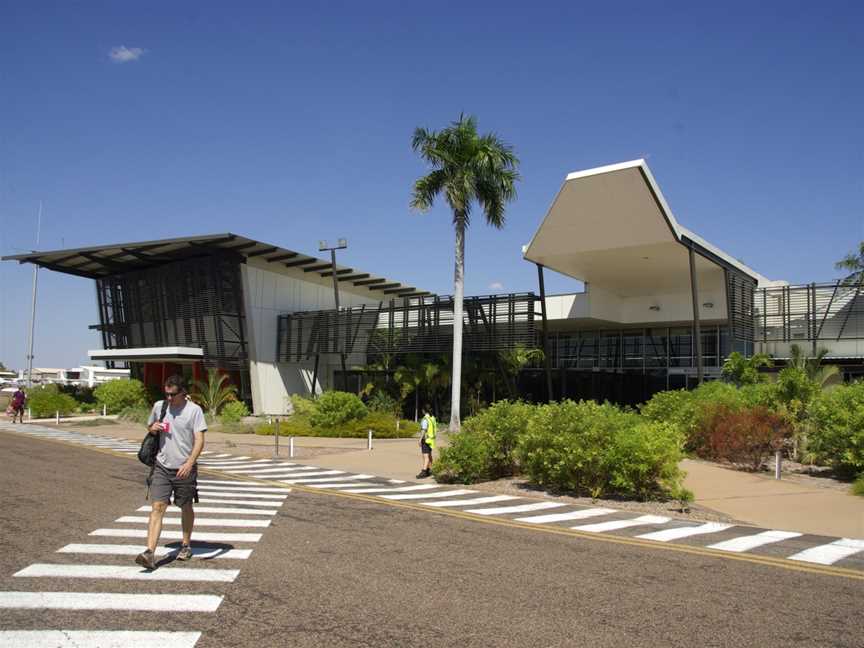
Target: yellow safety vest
<point x="431" y="429"/>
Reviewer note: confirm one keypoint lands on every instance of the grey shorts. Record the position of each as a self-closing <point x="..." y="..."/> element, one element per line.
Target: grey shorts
<point x="425" y="448"/>
<point x="165" y="484"/>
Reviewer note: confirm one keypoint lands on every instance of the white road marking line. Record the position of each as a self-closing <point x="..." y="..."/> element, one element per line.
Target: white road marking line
<point x="572" y="515"/>
<point x="340" y="485"/>
<point x="746" y="543"/>
<point x="324" y="480"/>
<point x="239" y="502"/>
<point x="667" y="535"/>
<point x="828" y="554"/>
<point x="103" y="601"/>
<point x="97" y="639"/>
<point x="222" y="509"/>
<point x="614" y="525"/>
<point x="199" y="521"/>
<point x="206" y="536"/>
<point x="265" y="471"/>
<point x="238" y="489"/>
<point x="519" y="508"/>
<point x="269" y="475"/>
<point x="259" y="464"/>
<point x="396" y="481"/>
<point x="134" y="550"/>
<point x="411" y="496"/>
<point x="44" y="570"/>
<point x="393" y="490"/>
<point x="244" y="458"/>
<point x="474" y="501"/>
<point x="246" y="497"/>
<point x="318" y="474"/>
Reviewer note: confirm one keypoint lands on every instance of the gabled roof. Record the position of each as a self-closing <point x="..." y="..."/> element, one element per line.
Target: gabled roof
<point x="117" y="258"/>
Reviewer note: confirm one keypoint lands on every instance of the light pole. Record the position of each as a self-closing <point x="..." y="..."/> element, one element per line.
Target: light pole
<point x="341" y="244"/>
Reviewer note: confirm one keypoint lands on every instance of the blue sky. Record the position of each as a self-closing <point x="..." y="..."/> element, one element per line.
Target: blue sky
<point x="291" y="123"/>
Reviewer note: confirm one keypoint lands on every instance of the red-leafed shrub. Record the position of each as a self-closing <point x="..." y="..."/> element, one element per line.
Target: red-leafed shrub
<point x="746" y="436"/>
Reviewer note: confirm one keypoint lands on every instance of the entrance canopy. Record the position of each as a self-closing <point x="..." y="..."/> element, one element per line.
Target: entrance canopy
<point x="611" y="227"/>
<point x="175" y="354"/>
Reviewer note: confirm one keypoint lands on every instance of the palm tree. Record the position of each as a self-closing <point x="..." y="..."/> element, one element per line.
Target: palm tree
<point x="812" y="366"/>
<point x="854" y="264"/>
<point x="467" y="168"/>
<point x="213" y="394"/>
<point x="740" y="370"/>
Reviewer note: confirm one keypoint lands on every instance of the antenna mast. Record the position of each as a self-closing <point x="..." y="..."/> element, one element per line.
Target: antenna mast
<point x="33" y="306"/>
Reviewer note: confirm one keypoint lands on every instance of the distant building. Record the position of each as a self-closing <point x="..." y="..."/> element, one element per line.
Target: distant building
<point x="84" y="376"/>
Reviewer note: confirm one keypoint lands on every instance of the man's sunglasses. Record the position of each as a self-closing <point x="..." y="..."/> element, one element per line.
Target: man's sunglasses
<point x="172" y="394"/>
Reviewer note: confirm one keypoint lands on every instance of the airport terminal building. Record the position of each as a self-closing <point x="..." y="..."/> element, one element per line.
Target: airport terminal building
<point x="661" y="307"/>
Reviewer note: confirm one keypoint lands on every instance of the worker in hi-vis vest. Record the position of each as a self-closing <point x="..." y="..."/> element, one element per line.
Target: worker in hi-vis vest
<point x="428" y="428"/>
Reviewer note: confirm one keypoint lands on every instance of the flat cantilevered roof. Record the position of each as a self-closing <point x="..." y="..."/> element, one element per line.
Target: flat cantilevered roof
<point x="117" y="258"/>
<point x="611" y="226"/>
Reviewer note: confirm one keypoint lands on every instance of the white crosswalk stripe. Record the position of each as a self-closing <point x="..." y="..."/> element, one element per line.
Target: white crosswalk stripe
<point x="570" y="515"/>
<point x="105" y="601"/>
<point x="474" y="501"/>
<point x="134" y="550"/>
<point x="44" y="570"/>
<point x="262" y="498"/>
<point x="399" y="489"/>
<point x="207" y="536"/>
<point x="96" y="639"/>
<point x="199" y="521"/>
<point x="747" y="543"/>
<point x="830" y="553"/>
<point x="615" y="525"/>
<point x="242" y="502"/>
<point x="339" y="485"/>
<point x="324" y="480"/>
<point x="417" y="496"/>
<point x="223" y="509"/>
<point x="667" y="535"/>
<point x="519" y="508"/>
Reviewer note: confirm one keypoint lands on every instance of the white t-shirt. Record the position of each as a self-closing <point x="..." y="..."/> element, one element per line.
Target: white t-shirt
<point x="176" y="444"/>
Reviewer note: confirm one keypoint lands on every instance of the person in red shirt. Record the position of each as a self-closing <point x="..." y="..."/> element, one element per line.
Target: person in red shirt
<point x="19" y="398"/>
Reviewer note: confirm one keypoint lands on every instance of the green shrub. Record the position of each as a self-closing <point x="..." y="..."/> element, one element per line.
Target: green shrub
<point x="139" y="414"/>
<point x="836" y="436"/>
<point x="599" y="450"/>
<point x="302" y="405"/>
<point x="689" y="411"/>
<point x="467" y="459"/>
<point x="334" y="408"/>
<point x="117" y="395"/>
<point x="381" y="401"/>
<point x="383" y="426"/>
<point x="233" y="412"/>
<point x="504" y="422"/>
<point x="47" y="400"/>
<point x="858" y="486"/>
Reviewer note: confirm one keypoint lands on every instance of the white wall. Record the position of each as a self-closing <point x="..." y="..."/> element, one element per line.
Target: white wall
<point x="599" y="304"/>
<point x="270" y="291"/>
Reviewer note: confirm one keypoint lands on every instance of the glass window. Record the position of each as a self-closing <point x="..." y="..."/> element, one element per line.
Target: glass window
<point x="680" y="351"/>
<point x="632" y="341"/>
<point x="568" y="349"/>
<point x="655" y="348"/>
<point x="610" y="352"/>
<point x="588" y="344"/>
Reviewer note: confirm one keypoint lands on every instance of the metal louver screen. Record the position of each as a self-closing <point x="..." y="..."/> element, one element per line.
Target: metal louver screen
<point x="410" y="325"/>
<point x="195" y="302"/>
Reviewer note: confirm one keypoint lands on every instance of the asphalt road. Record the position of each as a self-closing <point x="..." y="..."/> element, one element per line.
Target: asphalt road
<point x="337" y="571"/>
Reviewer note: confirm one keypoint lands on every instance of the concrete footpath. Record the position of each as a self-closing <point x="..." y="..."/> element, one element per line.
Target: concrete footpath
<point x="755" y="498"/>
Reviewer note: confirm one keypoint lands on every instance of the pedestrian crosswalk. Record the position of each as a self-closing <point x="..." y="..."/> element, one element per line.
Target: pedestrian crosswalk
<point x="244" y="488"/>
<point x="228" y="526"/>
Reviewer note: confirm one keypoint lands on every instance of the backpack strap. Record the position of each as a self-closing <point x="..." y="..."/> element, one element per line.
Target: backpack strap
<point x="153" y="467"/>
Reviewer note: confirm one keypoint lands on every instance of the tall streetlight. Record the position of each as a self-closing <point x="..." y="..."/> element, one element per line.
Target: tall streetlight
<point x="341" y="244"/>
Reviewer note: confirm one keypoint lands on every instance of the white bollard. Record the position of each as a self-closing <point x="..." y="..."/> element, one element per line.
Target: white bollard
<point x="29" y="414"/>
<point x="104" y="410"/>
<point x="58" y="417"/>
<point x="369" y="442"/>
<point x="778" y="461"/>
<point x="291" y="447"/>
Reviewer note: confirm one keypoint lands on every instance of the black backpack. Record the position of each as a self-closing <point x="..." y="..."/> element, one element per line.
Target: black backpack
<point x="150" y="445"/>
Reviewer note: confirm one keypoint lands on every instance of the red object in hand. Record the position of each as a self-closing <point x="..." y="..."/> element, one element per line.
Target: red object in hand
<point x="165" y="426"/>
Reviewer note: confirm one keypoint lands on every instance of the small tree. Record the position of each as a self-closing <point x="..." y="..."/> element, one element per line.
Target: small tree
<point x="812" y="365"/>
<point x="214" y="393"/>
<point x="745" y="371"/>
<point x="117" y="395"/>
<point x="853" y="264"/>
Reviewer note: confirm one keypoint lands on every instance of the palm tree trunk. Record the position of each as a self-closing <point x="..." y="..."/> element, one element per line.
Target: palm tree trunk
<point x="458" y="291"/>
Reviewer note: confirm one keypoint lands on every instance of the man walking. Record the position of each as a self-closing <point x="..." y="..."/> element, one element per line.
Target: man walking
<point x="180" y="425"/>
<point x="428" y="428"/>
